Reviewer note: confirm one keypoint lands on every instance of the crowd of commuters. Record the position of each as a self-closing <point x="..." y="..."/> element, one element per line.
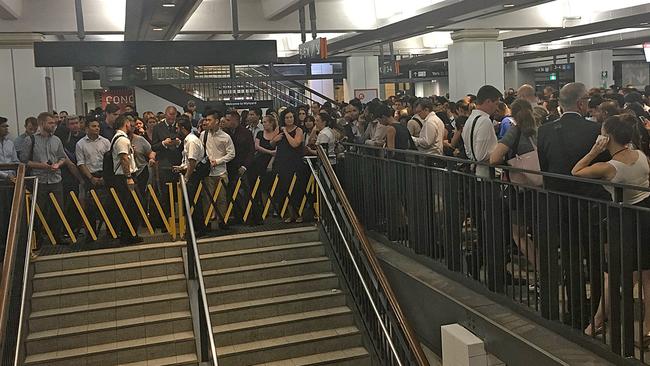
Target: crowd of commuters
<point x="595" y="133"/>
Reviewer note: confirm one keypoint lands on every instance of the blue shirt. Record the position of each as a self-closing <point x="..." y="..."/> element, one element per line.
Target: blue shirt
<point x="7" y="156"/>
<point x="506" y="123"/>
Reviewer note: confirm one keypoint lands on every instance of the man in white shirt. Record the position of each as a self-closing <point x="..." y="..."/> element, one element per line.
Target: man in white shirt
<point x="193" y="153"/>
<point x="90" y="153"/>
<point x="253" y="120"/>
<point x="480" y="139"/>
<point x="220" y="150"/>
<point x="122" y="181"/>
<point x="433" y="130"/>
<point x="478" y="134"/>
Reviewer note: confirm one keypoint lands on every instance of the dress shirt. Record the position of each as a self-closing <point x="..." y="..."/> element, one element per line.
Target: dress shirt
<point x="220" y="148"/>
<point x="20" y="141"/>
<point x="91" y="153"/>
<point x="256" y="129"/>
<point x="192" y="150"/>
<point x="375" y="134"/>
<point x="431" y="135"/>
<point x="46" y="148"/>
<point x="107" y="131"/>
<point x="485" y="140"/>
<point x="122" y="146"/>
<point x="7" y="156"/>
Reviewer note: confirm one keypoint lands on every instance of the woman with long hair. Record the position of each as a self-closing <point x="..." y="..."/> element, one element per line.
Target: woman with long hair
<point x="520" y="139"/>
<point x="627" y="166"/>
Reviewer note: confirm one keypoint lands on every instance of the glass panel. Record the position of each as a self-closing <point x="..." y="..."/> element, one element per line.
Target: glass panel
<point x="212" y="72"/>
<point x="170" y="73"/>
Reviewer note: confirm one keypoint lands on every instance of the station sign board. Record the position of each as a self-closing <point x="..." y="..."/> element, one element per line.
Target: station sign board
<point x="313" y="50"/>
<point x="122" y="97"/>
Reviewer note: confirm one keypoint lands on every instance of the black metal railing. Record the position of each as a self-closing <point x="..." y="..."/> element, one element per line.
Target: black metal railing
<point x="206" y="343"/>
<point x="15" y="264"/>
<point x="553" y="252"/>
<point x="392" y="337"/>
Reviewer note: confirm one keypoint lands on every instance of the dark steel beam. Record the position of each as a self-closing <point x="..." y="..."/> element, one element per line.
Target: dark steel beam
<point x="438" y="16"/>
<point x="303" y="25"/>
<point x="81" y="32"/>
<point x="579" y="30"/>
<point x="234" y="12"/>
<point x="184" y="10"/>
<point x="154" y="53"/>
<point x="312" y="19"/>
<point x="578" y="49"/>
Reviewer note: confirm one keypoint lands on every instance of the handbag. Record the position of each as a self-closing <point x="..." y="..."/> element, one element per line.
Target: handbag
<point x="203" y="167"/>
<point x="527" y="161"/>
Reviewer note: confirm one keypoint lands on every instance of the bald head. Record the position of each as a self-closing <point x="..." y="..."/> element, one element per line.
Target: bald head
<point x="527" y="92"/>
<point x="572" y="97"/>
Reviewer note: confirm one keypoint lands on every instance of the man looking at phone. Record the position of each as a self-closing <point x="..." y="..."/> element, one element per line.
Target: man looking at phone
<point x="169" y="152"/>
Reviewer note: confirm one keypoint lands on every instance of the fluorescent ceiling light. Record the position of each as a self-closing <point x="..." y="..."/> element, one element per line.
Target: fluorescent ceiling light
<point x="157" y="29"/>
<point x="168" y="5"/>
<point x="508" y="5"/>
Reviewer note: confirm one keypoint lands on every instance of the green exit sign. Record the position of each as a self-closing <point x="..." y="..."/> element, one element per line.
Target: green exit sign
<point x="552" y="77"/>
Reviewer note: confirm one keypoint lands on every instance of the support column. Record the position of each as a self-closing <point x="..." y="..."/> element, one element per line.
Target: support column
<point x="475" y="59"/>
<point x="362" y="73"/>
<point x="516" y="76"/>
<point x="323" y="86"/>
<point x="595" y="69"/>
<point x="24" y="92"/>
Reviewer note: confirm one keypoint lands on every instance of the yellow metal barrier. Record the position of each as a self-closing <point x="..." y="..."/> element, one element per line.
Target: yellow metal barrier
<point x="172" y="219"/>
<point x="181" y="221"/>
<point x="48" y="231"/>
<point x="215" y="196"/>
<point x="286" y="199"/>
<point x="121" y="208"/>
<point x="145" y="218"/>
<point x="89" y="227"/>
<point x="250" y="202"/>
<point x="234" y="198"/>
<point x="63" y="219"/>
<point x="268" y="201"/>
<point x="103" y="213"/>
<point x="304" y="197"/>
<point x="163" y="217"/>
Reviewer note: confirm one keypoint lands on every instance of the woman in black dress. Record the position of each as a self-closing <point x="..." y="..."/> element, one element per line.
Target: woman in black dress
<point x="264" y="153"/>
<point x="288" y="163"/>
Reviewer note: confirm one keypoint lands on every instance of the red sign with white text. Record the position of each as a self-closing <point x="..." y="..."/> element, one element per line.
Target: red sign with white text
<point x="121" y="97"/>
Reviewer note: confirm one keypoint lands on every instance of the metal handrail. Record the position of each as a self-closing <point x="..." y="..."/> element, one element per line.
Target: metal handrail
<point x="450" y="159"/>
<point x="382" y="281"/>
<point x="191" y="240"/>
<point x="28" y="252"/>
<point x="10" y="254"/>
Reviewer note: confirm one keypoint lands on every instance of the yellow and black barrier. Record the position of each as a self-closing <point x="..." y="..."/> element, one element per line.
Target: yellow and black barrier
<point x="175" y="219"/>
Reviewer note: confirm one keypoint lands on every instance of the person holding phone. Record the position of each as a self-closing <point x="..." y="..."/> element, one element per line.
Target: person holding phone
<point x="626" y="166"/>
<point x="169" y="152"/>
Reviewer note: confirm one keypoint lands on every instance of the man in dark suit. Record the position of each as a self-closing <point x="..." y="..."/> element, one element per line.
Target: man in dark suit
<point x="238" y="167"/>
<point x="561" y="144"/>
<point x="168" y="146"/>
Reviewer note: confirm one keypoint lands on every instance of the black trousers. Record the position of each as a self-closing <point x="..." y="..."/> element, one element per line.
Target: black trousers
<point x="197" y="214"/>
<point x="123" y="191"/>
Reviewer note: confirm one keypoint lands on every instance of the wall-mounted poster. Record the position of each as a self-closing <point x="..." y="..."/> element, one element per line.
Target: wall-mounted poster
<point x="366" y="95"/>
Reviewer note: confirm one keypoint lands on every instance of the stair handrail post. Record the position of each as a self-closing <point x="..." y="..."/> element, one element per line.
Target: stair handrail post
<point x="205" y="324"/>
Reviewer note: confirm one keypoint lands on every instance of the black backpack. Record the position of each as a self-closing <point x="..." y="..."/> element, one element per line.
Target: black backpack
<point x="108" y="168"/>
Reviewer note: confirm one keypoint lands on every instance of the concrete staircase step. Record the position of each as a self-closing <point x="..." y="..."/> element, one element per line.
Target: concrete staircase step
<point x="108" y="331"/>
<point x="91" y="294"/>
<point x="112" y="353"/>
<point x="252" y="256"/>
<point x="258" y="239"/>
<point x="297" y="345"/>
<point x="271" y="288"/>
<point x="112" y="310"/>
<point x="282" y="325"/>
<point x="357" y="356"/>
<point x="186" y="359"/>
<point x="275" y="306"/>
<point x="55" y="280"/>
<point x="258" y="272"/>
<point x="106" y="257"/>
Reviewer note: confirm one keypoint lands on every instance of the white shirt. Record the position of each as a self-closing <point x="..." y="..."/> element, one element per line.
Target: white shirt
<point x="192" y="150"/>
<point x="326" y="136"/>
<point x="220" y="148"/>
<point x="8" y="155"/>
<point x="122" y="146"/>
<point x="91" y="152"/>
<point x="431" y="135"/>
<point x="485" y="140"/>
